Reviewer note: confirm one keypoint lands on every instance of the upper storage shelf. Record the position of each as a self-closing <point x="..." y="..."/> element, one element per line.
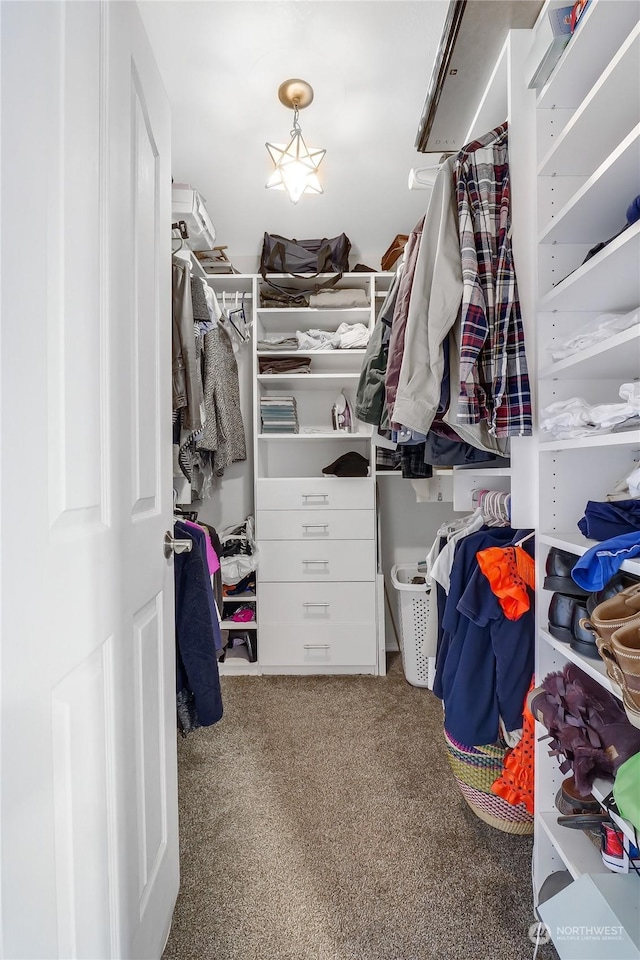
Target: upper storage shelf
<point x="619" y="356"/>
<point x="601" y="31"/>
<point x="610" y="281"/>
<point x="603" y="118"/>
<point x="597" y="209"/>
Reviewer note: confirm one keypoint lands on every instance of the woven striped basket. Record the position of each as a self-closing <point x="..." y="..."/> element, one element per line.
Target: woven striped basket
<point x="475" y="770"/>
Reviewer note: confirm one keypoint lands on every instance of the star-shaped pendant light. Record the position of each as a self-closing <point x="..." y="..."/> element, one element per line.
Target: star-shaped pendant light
<point x="295" y="164"/>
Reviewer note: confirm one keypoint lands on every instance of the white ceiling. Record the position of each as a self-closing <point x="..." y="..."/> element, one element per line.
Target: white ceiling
<point x="369" y="62"/>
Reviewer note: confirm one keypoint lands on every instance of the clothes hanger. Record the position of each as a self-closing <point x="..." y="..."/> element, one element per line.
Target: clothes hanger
<point x="524" y="539"/>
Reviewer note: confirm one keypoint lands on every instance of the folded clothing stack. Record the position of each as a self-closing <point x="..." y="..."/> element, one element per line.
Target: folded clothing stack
<point x="284" y="365"/>
<point x="338" y="298"/>
<point x="279" y="415"/>
<point x="278" y="343"/>
<point x="604" y="326"/>
<point x="575" y="417"/>
<point x="348" y="336"/>
<point x="604" y="520"/>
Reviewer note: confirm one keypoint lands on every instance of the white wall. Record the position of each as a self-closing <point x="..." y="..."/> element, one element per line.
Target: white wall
<point x="369" y="63"/>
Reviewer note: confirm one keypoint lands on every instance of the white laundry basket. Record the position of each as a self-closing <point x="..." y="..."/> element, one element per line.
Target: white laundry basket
<point x="418" y="625"/>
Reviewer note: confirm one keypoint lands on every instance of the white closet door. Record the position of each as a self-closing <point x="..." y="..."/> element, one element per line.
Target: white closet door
<point x="88" y="802"/>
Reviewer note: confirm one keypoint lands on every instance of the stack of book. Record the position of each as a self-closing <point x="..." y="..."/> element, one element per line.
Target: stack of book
<point x="279" y="415"/>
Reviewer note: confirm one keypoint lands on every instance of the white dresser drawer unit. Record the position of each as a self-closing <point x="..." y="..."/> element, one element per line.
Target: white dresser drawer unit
<point x="317" y="603"/>
<point x="319" y="646"/>
<point x="293" y="560"/>
<point x="315" y="525"/>
<point x="315" y="493"/>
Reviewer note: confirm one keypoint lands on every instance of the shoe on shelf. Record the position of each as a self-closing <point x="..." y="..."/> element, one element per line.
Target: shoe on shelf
<point x="558" y="569"/>
<point x="619" y="582"/>
<point x="569" y="802"/>
<point x="588" y="730"/>
<point x="617" y="851"/>
<point x="621" y="656"/>
<point x="560" y="616"/>
<point x="619" y="610"/>
<point x="583" y="636"/>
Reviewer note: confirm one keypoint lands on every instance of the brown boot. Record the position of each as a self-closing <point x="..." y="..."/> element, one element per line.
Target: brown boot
<point x="621" y="655"/>
<point x="617" y="612"/>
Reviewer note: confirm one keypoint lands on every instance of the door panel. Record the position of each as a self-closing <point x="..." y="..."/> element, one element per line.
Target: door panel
<point x="88" y="792"/>
<point x="146" y="214"/>
<point x="76" y="370"/>
<point x="83" y="771"/>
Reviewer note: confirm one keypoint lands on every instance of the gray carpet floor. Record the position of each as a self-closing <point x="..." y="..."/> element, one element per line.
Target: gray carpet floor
<point x="319" y="820"/>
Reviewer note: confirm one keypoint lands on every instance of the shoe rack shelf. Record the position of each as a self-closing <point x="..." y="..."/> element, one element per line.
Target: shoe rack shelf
<point x="594" y="668"/>
<point x="587" y="174"/>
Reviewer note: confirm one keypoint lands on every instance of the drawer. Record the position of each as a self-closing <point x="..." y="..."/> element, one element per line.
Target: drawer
<point x="315" y="524"/>
<point x="303" y="644"/>
<point x="294" y="560"/>
<point x="316" y="603"/>
<point x="315" y="493"/>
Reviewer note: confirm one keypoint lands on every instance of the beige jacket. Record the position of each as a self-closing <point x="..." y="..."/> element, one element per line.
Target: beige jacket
<point x="436" y="295"/>
<point x="187" y="380"/>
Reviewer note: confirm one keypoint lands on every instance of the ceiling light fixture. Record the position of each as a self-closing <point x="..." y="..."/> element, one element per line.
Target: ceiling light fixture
<point x="295" y="164"/>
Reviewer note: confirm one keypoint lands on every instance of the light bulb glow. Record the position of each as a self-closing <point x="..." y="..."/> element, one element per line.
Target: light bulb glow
<point x="295" y="167"/>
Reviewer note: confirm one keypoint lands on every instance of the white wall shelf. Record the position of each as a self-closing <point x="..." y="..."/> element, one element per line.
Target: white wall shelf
<point x="484" y="471"/>
<point x="310" y="433"/>
<point x="308" y="381"/>
<point x="598" y="208"/>
<point x="579" y="855"/>
<point x="619" y="356"/>
<point x="628" y="438"/>
<point x="608" y="282"/>
<point x="238" y="667"/>
<point x="602" y="120"/>
<point x="602" y="29"/>
<point x="576" y="543"/>
<point x="594" y="668"/>
<point x="236" y="625"/>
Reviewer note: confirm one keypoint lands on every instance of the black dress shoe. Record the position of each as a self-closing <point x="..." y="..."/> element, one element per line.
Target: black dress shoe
<point x="583" y="638"/>
<point x="561" y="616"/>
<point x="558" y="569"/>
<point x="619" y="581"/>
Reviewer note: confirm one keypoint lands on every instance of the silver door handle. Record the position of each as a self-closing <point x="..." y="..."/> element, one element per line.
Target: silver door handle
<point x="309" y="604"/>
<point x="171" y="545"/>
<point x="316" y="496"/>
<point x="323" y="562"/>
<point x="315" y="526"/>
<point x="317" y="646"/>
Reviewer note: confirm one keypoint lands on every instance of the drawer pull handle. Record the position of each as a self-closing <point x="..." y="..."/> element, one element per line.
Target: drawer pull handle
<point x="316" y="496"/>
<point x="315" y="526"/>
<point x="310" y="604"/>
<point x="325" y="563"/>
<point x="317" y="646"/>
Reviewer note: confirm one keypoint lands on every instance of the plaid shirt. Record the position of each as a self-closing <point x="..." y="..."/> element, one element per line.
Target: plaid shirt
<point x="493" y="367"/>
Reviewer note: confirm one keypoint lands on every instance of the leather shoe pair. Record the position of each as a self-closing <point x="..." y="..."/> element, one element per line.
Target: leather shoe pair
<point x="558" y="573"/>
<point x="569" y="622"/>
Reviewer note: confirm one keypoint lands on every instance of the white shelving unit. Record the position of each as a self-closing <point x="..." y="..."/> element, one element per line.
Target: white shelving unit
<point x="588" y="171"/>
<point x="315" y="533"/>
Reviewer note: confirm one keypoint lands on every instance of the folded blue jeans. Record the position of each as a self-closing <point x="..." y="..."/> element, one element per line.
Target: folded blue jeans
<point x="602" y="521"/>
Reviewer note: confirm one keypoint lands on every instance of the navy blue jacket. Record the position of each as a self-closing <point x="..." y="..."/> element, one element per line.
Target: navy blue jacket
<point x="485" y="661"/>
<point x="197" y="679"/>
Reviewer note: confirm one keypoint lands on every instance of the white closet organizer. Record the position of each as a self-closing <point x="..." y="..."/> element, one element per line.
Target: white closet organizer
<point x="588" y="146"/>
<point x="317" y="535"/>
<point x="317" y="594"/>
